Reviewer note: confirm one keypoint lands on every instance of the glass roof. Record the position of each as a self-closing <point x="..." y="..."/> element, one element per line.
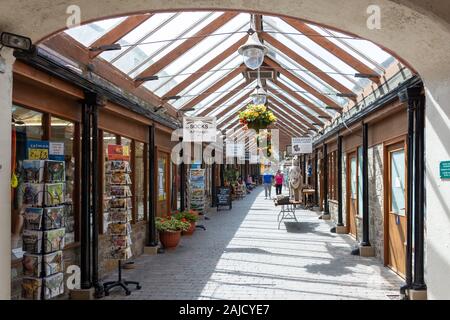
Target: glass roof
<point x="161" y="34"/>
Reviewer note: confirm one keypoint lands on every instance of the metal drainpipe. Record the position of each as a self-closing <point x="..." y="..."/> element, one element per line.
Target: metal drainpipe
<point x="182" y="181"/>
<point x="339" y="180"/>
<point x="152" y="238"/>
<point x="326" y="209"/>
<point x="410" y="95"/>
<point x="92" y="101"/>
<point x="85" y="223"/>
<point x="365" y="172"/>
<point x="419" y="208"/>
<point x="316" y="178"/>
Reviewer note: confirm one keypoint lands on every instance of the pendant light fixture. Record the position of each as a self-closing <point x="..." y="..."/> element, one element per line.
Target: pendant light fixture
<point x="259" y="95"/>
<point x="253" y="51"/>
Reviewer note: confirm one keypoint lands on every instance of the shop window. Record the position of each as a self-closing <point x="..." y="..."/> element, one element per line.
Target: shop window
<point x="140" y="188"/>
<point x="398" y="182"/>
<point x="108" y="139"/>
<point x="64" y="132"/>
<point x="26" y="126"/>
<point x="332" y="175"/>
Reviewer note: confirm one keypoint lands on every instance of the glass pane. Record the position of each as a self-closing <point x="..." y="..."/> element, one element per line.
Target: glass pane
<point x="398" y="182"/>
<point x="27" y="125"/>
<point x="64" y="131"/>
<point x="353" y="180"/>
<point x="140" y="188"/>
<point x="360" y="180"/>
<point x="89" y="33"/>
<point x="162" y="179"/>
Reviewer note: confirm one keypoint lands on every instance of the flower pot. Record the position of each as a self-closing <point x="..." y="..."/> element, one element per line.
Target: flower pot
<point x="169" y="239"/>
<point x="190" y="231"/>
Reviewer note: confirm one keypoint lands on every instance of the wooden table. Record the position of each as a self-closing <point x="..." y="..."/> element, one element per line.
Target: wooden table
<point x="307" y="194"/>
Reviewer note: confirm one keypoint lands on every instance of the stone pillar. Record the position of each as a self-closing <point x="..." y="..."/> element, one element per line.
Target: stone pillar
<point x="6" y="62"/>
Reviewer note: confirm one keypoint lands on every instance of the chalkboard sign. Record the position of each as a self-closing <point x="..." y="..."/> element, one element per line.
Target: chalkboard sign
<point x="223" y="195"/>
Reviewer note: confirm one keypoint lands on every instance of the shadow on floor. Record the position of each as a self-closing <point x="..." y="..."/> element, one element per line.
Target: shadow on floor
<point x="305" y="227"/>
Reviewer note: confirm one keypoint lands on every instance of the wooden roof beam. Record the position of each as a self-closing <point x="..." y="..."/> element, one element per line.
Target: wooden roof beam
<point x="206" y="67"/>
<point x="118" y="32"/>
<point x="293" y="105"/>
<point x="288" y="115"/>
<point x="304" y="85"/>
<point x="217" y="85"/>
<point x="307" y="65"/>
<point x="234" y="105"/>
<point x="224" y="99"/>
<point x="303" y="100"/>
<point x="331" y="47"/>
<point x="186" y="45"/>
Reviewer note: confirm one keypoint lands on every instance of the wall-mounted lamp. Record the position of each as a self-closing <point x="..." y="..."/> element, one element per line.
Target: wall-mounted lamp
<point x="15" y="41"/>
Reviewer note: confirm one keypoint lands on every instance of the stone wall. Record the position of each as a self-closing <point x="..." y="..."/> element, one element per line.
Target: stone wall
<point x="376" y="198"/>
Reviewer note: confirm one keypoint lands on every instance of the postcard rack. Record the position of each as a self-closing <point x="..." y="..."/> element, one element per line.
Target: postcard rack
<point x="119" y="205"/>
<point x="43" y="208"/>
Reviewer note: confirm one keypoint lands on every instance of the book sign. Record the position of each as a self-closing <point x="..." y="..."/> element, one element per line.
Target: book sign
<point x="199" y="129"/>
<point x="302" y="145"/>
<point x="37" y="150"/>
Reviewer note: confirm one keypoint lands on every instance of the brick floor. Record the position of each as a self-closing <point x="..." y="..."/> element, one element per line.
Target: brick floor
<point x="243" y="255"/>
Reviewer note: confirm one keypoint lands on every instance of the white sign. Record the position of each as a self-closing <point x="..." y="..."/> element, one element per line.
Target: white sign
<point x="235" y="150"/>
<point x="199" y="129"/>
<point x="56" y="151"/>
<point x="302" y="145"/>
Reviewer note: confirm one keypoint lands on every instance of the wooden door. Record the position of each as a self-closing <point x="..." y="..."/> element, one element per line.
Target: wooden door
<point x="163" y="183"/>
<point x="352" y="194"/>
<point x="396" y="207"/>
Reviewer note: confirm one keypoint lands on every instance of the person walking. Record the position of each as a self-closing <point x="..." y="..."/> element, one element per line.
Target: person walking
<point x="268" y="180"/>
<point x="279" y="182"/>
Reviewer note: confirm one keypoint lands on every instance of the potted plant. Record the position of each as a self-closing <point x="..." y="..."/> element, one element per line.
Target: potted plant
<point x="170" y="230"/>
<point x="190" y="216"/>
<point x="256" y="117"/>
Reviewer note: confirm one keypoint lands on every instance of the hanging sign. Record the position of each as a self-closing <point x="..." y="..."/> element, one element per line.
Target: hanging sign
<point x="445" y="169"/>
<point x="56" y="151"/>
<point x="199" y="129"/>
<point x="302" y="145"/>
<point x="118" y="152"/>
<point x="37" y="150"/>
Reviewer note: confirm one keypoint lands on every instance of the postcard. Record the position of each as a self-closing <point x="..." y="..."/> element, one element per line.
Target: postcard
<point x="33" y="218"/>
<point x="53" y="285"/>
<point x="33" y="171"/>
<point x="32" y="241"/>
<point x="54" y="194"/>
<point x="54" y="171"/>
<point x="32" y="194"/>
<point x="31" y="288"/>
<point x="54" y="240"/>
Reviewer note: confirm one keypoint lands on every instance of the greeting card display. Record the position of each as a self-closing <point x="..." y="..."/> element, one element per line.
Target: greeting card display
<point x="197" y="190"/>
<point x="54" y="171"/>
<point x="31" y="288"/>
<point x="33" y="171"/>
<point x="53" y="285"/>
<point x="32" y="194"/>
<point x="54" y="194"/>
<point x="54" y="240"/>
<point x="43" y="198"/>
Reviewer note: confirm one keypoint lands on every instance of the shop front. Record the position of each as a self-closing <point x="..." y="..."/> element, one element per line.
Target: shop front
<point x="46" y="127"/>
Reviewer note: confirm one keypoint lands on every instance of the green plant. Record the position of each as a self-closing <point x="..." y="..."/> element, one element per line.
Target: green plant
<point x="186" y="215"/>
<point x="171" y="224"/>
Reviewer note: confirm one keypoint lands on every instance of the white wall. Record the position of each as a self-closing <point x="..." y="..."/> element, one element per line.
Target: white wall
<point x="5" y="175"/>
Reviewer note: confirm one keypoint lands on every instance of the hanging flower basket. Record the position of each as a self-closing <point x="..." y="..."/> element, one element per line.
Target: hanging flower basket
<point x="256" y="117"/>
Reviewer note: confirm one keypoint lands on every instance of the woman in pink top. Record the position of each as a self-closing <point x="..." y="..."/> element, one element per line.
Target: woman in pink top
<point x="278" y="182"/>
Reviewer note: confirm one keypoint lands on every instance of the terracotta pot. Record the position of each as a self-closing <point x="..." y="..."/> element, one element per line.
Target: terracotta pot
<point x="169" y="239"/>
<point x="190" y="231"/>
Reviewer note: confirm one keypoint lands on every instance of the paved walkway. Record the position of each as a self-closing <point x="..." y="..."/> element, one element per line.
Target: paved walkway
<point x="243" y="255"/>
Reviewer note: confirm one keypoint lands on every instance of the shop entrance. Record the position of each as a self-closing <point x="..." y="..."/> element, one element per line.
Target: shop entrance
<point x="395" y="207"/>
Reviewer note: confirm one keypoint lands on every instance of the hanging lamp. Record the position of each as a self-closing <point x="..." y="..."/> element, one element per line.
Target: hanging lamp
<point x="253" y="51"/>
<point x="259" y="95"/>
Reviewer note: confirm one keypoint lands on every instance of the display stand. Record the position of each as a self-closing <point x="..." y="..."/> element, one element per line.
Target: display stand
<point x="119" y="216"/>
<point x="196" y="187"/>
<point x="43" y="238"/>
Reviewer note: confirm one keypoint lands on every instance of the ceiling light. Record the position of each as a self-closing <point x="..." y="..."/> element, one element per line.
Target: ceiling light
<point x="253" y="52"/>
<point x="259" y="95"/>
<point x="15" y="41"/>
<point x="149" y="78"/>
<point x="107" y="47"/>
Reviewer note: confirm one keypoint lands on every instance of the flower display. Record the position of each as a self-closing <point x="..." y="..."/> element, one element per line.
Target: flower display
<point x="256" y="117"/>
<point x="172" y="224"/>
